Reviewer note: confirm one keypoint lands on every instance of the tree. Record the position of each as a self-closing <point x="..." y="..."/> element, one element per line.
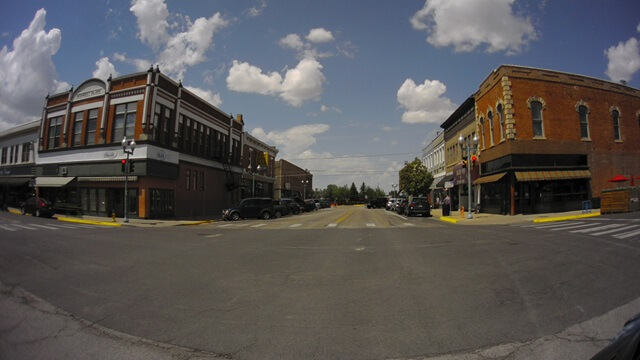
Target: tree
<point x="415" y="179"/>
<point x="363" y="191"/>
<point x="353" y="193"/>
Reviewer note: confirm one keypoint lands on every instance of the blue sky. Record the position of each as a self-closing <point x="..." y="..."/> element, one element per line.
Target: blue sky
<point x="347" y="89"/>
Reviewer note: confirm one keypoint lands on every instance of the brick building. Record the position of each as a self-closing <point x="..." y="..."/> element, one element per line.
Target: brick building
<point x="258" y="162"/>
<point x="17" y="163"/>
<point x="550" y="140"/>
<point x="187" y="163"/>
<point x="292" y="181"/>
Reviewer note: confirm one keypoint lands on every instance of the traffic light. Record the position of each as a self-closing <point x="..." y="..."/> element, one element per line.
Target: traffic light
<point x="131" y="167"/>
<point x="123" y="165"/>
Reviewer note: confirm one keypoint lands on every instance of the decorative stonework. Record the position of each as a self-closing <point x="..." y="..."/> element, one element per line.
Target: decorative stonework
<point x="611" y="109"/>
<point x="509" y="119"/>
<point x="535" y="98"/>
<point x="583" y="103"/>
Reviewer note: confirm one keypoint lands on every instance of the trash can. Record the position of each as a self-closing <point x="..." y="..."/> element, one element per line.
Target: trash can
<point x="446" y="209"/>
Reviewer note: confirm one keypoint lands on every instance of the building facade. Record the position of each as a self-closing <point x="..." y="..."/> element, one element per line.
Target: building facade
<point x="187" y="163"/>
<point x="460" y="123"/>
<point x="433" y="158"/>
<point x="550" y="140"/>
<point x="17" y="163"/>
<point x="258" y="162"/>
<point x="292" y="181"/>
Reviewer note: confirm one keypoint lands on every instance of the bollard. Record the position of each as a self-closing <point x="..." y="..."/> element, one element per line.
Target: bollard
<point x="113" y="215"/>
<point x="461" y="212"/>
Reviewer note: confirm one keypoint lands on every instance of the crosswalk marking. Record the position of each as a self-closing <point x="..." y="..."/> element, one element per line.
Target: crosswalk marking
<point x="588" y="230"/>
<point x="258" y="225"/>
<point x="558" y="224"/>
<point x="225" y="225"/>
<point x="65" y="226"/>
<point x="7" y="228"/>
<point x="572" y="227"/>
<point x="626" y="235"/>
<point x="615" y="230"/>
<point x="371" y="225"/>
<point x="45" y="226"/>
<point x="295" y="225"/>
<point x="408" y="224"/>
<point x="332" y="225"/>
<point x="23" y="227"/>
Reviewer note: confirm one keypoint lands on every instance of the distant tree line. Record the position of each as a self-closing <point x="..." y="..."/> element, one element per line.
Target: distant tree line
<point x="349" y="194"/>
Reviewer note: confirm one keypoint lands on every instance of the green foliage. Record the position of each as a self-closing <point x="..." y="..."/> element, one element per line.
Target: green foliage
<point x="415" y="179"/>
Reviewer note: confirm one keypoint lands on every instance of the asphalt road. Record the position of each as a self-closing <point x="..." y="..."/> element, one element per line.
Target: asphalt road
<point x="372" y="286"/>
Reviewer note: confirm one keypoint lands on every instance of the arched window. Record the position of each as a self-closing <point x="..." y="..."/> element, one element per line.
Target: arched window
<point x="490" y="117"/>
<point x="615" y="116"/>
<point x="583" y="112"/>
<point x="482" y="143"/>
<point x="536" y="105"/>
<point x="500" y="111"/>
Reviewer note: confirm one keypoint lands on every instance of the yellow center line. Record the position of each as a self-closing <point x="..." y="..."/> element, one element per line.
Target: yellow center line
<point x="344" y="217"/>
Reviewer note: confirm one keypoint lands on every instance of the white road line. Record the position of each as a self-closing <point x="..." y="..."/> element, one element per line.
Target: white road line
<point x="626" y="235"/>
<point x="408" y="224"/>
<point x="332" y="225"/>
<point x="561" y="224"/>
<point x="572" y="227"/>
<point x="258" y="225"/>
<point x="295" y="225"/>
<point x="7" y="228"/>
<point x="371" y="225"/>
<point x="45" y="226"/>
<point x="597" y="228"/>
<point x="24" y="227"/>
<point x="65" y="226"/>
<point x="225" y="225"/>
<point x="615" y="230"/>
<point x="213" y="235"/>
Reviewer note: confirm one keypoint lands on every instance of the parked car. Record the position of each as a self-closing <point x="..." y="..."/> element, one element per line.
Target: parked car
<point x="37" y="206"/>
<point x="625" y="345"/>
<point x="279" y="209"/>
<point x="301" y="203"/>
<point x="325" y="203"/>
<point x="417" y="206"/>
<point x="401" y="204"/>
<point x="261" y="208"/>
<point x="377" y="203"/>
<point x="390" y="203"/>
<point x="310" y="205"/>
<point x="291" y="205"/>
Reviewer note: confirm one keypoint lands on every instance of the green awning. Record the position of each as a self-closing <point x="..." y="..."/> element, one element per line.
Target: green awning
<point x="489" y="178"/>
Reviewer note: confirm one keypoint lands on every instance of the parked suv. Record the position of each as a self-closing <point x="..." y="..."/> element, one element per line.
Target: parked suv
<point x="37" y="206"/>
<point x="291" y="205"/>
<point x="261" y="208"/>
<point x="417" y="206"/>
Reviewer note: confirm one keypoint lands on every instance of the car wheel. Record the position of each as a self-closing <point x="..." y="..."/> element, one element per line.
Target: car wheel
<point x="266" y="215"/>
<point x="38" y="214"/>
<point x="235" y="216"/>
<point x="23" y="211"/>
<point x="278" y="214"/>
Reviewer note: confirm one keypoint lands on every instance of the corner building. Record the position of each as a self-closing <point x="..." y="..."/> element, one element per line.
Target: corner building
<point x="187" y="162"/>
<point x="549" y="140"/>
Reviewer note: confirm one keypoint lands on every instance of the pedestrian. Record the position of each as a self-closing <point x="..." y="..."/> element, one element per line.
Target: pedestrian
<point x="446" y="206"/>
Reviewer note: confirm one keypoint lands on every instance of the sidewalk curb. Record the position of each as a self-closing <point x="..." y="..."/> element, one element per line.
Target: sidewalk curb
<point x="448" y="219"/>
<point x="563" y="218"/>
<point x="197" y="223"/>
<point x="91" y="222"/>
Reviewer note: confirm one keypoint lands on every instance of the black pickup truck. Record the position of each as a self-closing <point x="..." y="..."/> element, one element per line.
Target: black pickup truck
<point x="377" y="203"/>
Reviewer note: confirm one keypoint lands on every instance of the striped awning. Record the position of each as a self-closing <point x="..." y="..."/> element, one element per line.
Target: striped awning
<point x="53" y="181"/>
<point x="489" y="178"/>
<point x="552" y="175"/>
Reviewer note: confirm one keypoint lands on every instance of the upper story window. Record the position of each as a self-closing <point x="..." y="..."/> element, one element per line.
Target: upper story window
<point x="26" y="150"/>
<point x="500" y="111"/>
<point x="53" y="134"/>
<point x="90" y="131"/>
<point x="482" y="142"/>
<point x="162" y="122"/>
<point x="125" y="121"/>
<point x="583" y="113"/>
<point x="536" y="105"/>
<point x="4" y="155"/>
<point x="78" y="118"/>
<point x="615" y="116"/>
<point x="490" y="117"/>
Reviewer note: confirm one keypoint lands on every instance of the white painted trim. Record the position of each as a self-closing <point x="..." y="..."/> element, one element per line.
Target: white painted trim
<point x="84" y="107"/>
<point x="56" y="114"/>
<point x="199" y="119"/>
<point x="127" y="99"/>
<point x="163" y="101"/>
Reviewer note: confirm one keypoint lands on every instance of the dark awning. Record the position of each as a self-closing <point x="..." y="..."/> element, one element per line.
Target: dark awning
<point x="552" y="175"/>
<point x="14" y="181"/>
<point x="489" y="178"/>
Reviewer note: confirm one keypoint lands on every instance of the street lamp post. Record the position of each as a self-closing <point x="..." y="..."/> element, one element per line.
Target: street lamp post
<point x="469" y="146"/>
<point x="127" y="147"/>
<point x="394" y="186"/>
<point x="304" y="188"/>
<point x="253" y="178"/>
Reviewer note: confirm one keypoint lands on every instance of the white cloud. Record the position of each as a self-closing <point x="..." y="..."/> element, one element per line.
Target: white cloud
<point x="319" y="35"/>
<point x="302" y="83"/>
<point x="294" y="141"/>
<point x="177" y="51"/>
<point x="139" y="64"/>
<point x="206" y="95"/>
<point x="292" y="41"/>
<point x="104" y="69"/>
<point x="624" y="60"/>
<point x="467" y="24"/>
<point x="256" y="10"/>
<point x="424" y="103"/>
<point x="152" y="21"/>
<point x="27" y="73"/>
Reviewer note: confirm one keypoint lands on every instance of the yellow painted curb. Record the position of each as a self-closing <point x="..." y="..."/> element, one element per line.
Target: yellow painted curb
<point x="568" y="217"/>
<point x="448" y="219"/>
<point x="92" y="222"/>
<point x="197" y="223"/>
